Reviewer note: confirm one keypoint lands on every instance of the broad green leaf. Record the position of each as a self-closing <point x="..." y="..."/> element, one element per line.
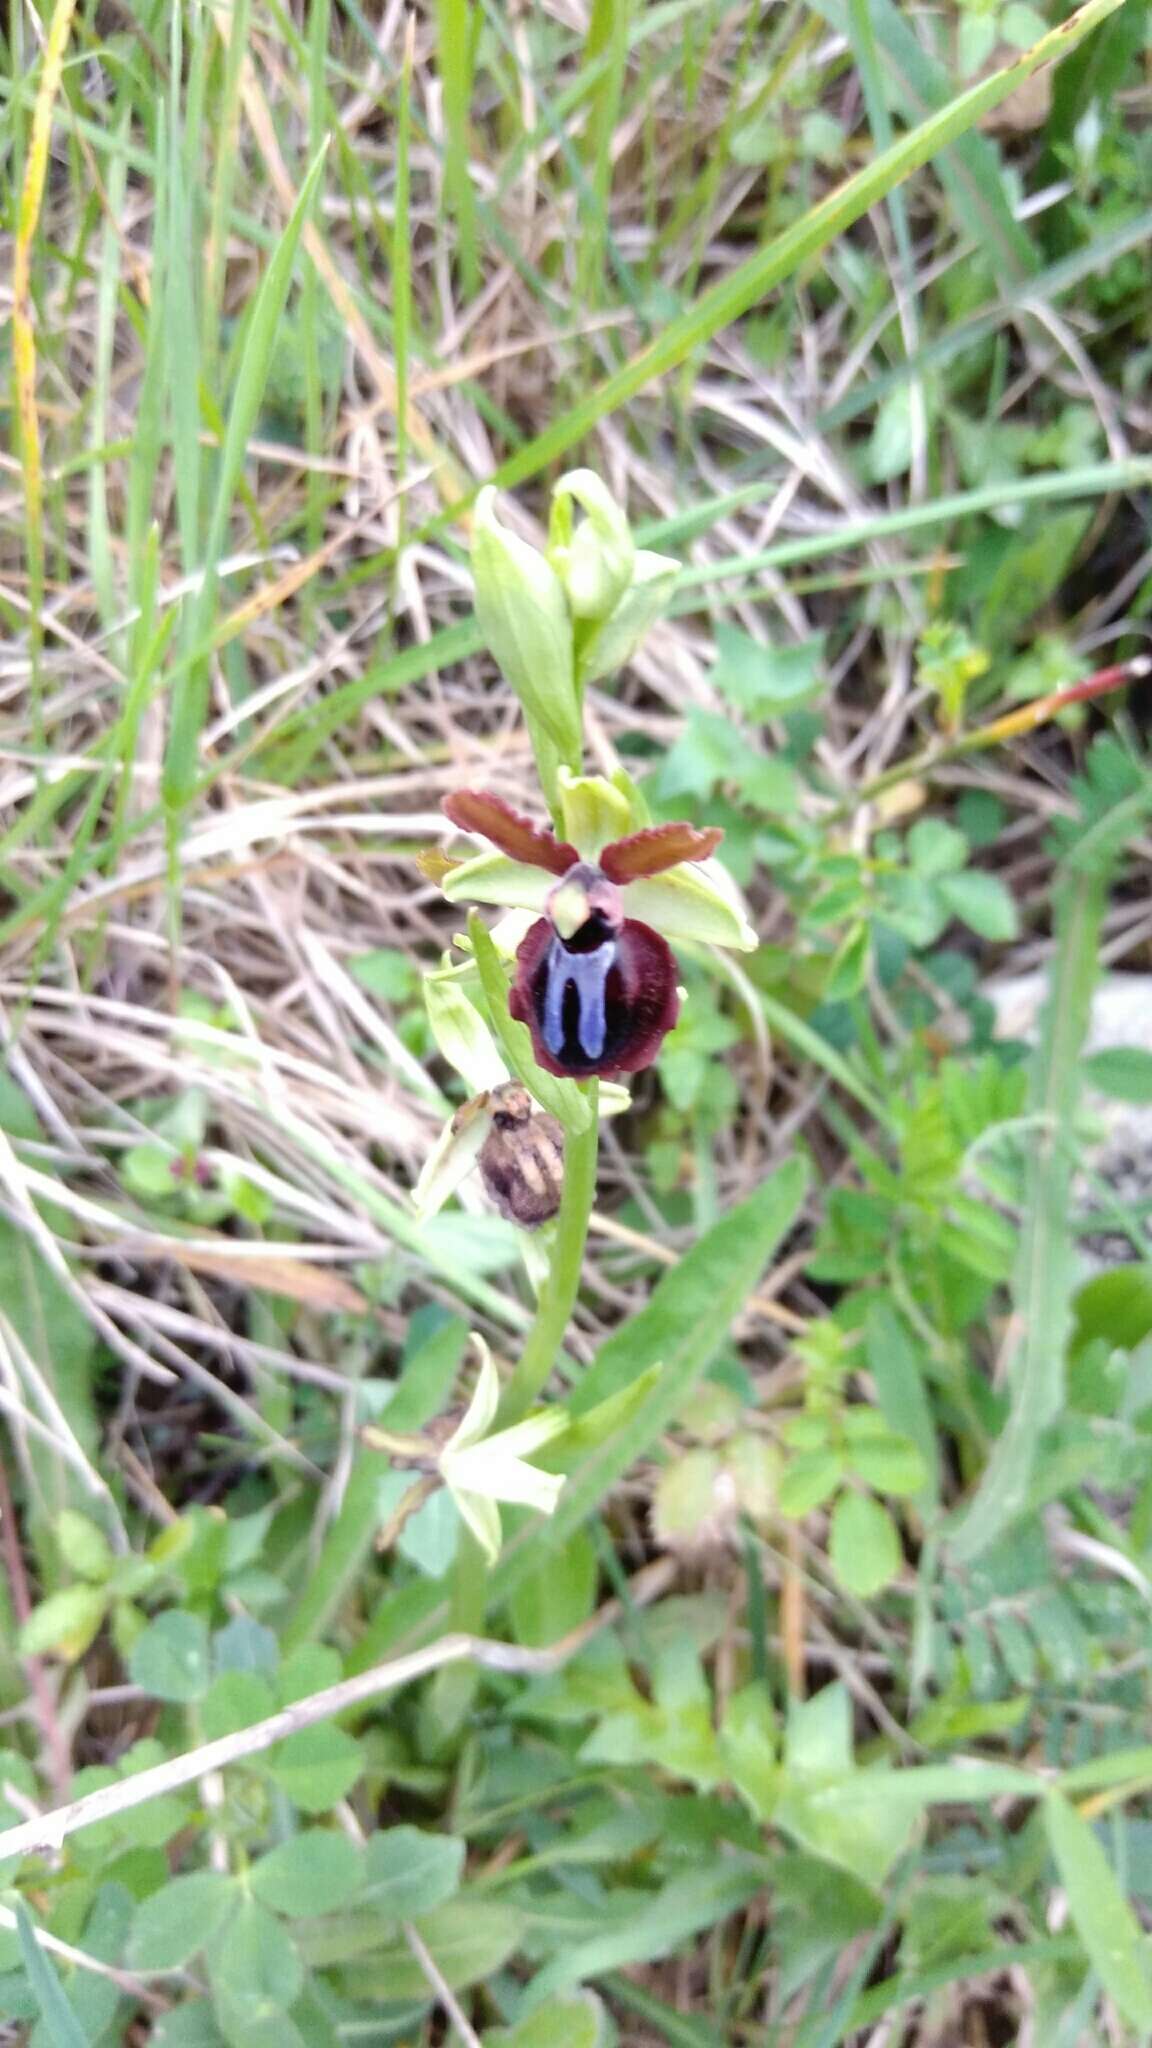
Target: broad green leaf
<point x="864" y="1546"/>
<point x="187" y="2026"/>
<point x="762" y="680"/>
<point x="1117" y="1306"/>
<point x="748" y="1746"/>
<point x="409" y="1871"/>
<point x="65" y="1624"/>
<point x="808" y="1480"/>
<point x="685" y="1497"/>
<point x="316" y="1871"/>
<point x="982" y="902"/>
<point x="1118" y="1947"/>
<point x="254" y="1965"/>
<point x="558" y="1595"/>
<point x="1122" y="1071"/>
<point x="467" y="1938"/>
<point x="179" y="1921"/>
<point x="316" y="1767"/>
<point x="895" y="1366"/>
<point x="563" y="2023"/>
<point x="172" y="1659"/>
<point x="891" y="1464"/>
<point x="237" y="1699"/>
<point x="680" y="1329"/>
<point x="83" y="1546"/>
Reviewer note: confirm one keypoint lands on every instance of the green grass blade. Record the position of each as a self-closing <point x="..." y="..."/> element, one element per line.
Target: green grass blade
<point x="402" y="272"/>
<point x="190" y="699"/>
<point x="1043" y="1283"/>
<point x="63" y="2026"/>
<point x="181" y="351"/>
<point x="732" y="296"/>
<point x="1117" y="1946"/>
<point x="1052" y="283"/>
<point x="971" y="174"/>
<point x="454" y="25"/>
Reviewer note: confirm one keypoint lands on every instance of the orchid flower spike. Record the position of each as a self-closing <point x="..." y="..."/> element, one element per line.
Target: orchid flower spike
<point x="595" y="977"/>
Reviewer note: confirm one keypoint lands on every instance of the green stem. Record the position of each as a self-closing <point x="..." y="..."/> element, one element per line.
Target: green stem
<point x="558" y="1295"/>
<point x="468" y="1597"/>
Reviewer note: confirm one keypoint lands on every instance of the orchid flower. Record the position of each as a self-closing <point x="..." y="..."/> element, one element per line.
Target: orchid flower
<point x="479" y="1469"/>
<point x="595" y="977"/>
<point x="498" y="1109"/>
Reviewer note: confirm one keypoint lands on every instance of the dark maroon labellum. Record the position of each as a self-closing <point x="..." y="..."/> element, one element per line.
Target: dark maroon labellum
<point x="596" y="989"/>
<point x="599" y="1002"/>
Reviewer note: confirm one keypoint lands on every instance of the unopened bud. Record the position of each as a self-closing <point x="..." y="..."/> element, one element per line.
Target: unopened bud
<point x="523" y="615"/>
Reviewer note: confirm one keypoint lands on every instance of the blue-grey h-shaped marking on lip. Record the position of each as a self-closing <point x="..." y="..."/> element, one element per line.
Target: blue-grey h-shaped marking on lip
<point x="587" y="973"/>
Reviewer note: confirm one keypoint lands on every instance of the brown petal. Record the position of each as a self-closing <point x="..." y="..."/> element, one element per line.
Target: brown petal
<point x="477" y="810"/>
<point x="659" y="847"/>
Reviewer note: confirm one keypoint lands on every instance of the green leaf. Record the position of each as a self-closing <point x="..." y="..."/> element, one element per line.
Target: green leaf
<point x="1117" y="1946"/>
<point x="808" y="1481"/>
<point x="55" y="2011"/>
<point x="864" y="1545"/>
<point x="680" y="1329"/>
<point x="1122" y="1071"/>
<point x="386" y="972"/>
<point x="892" y="1464"/>
<point x="1116" y="1306"/>
<point x="762" y="680"/>
<point x="237" y="1699"/>
<point x="65" y="1624"/>
<point x="83" y="1546"/>
<point x="935" y="848"/>
<point x="255" y="1967"/>
<point x="187" y="2026"/>
<point x="563" y="2023"/>
<point x="981" y="902"/>
<point x="172" y="1659"/>
<point x="316" y="1767"/>
<point x="895" y="1366"/>
<point x="748" y="1746"/>
<point x="467" y="1938"/>
<point x="658" y="1925"/>
<point x="409" y="1871"/>
<point x="845" y="1815"/>
<point x="890" y="449"/>
<point x="177" y="1922"/>
<point x="558" y="1594"/>
<point x="685" y="1497"/>
<point x="1043" y="1276"/>
<point x="317" y="1871"/>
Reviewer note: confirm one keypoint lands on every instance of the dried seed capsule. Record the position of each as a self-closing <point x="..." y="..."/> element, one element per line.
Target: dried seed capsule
<point x="522" y="1159"/>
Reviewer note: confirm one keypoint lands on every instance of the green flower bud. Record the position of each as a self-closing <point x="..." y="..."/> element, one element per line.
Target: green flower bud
<point x="616" y="639"/>
<point x="593" y="560"/>
<point x="594" y="811"/>
<point x="523" y="615"/>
